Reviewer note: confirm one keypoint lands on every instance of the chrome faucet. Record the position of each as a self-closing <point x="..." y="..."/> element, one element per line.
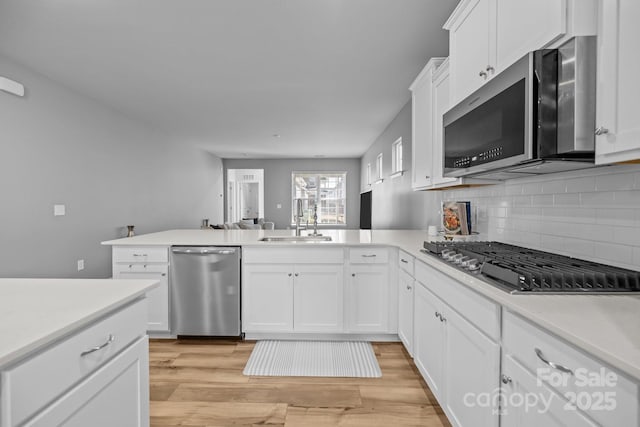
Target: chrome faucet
<point x="299" y="214"/>
<point x="315" y="220"/>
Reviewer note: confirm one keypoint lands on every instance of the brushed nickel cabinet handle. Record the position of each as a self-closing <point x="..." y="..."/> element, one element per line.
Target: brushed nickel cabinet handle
<point x="553" y="365"/>
<point x="404" y="260"/>
<point x="601" y="130"/>
<point x="490" y="69"/>
<point x="506" y="379"/>
<point x="483" y="73"/>
<point x="99" y="347"/>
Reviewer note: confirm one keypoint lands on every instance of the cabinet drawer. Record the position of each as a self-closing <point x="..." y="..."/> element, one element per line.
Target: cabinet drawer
<point x="140" y="254"/>
<point x="368" y="255"/>
<point x="137" y="268"/>
<point x="405" y="262"/>
<point x="478" y="310"/>
<point x="520" y="341"/>
<point x="38" y="381"/>
<point x="291" y="255"/>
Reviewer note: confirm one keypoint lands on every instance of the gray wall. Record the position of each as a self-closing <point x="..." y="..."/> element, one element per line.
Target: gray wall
<point x="277" y="184"/>
<point x="59" y="147"/>
<point x="394" y="204"/>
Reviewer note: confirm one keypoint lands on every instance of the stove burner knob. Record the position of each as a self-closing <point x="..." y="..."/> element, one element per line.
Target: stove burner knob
<point x="447" y="254"/>
<point x="473" y="265"/>
<point x="457" y="259"/>
<point x="465" y="263"/>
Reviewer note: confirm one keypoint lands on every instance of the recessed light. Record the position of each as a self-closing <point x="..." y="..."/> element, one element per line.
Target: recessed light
<point x="276" y="135"/>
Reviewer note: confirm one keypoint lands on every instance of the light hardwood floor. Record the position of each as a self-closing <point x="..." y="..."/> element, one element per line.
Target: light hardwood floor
<point x="199" y="383"/>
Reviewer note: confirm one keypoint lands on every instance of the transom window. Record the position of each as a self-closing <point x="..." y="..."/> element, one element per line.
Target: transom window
<point x="327" y="190"/>
<point x="396" y="156"/>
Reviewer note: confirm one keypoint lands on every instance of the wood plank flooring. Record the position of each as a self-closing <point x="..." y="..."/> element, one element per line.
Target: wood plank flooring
<point x="199" y="383"/>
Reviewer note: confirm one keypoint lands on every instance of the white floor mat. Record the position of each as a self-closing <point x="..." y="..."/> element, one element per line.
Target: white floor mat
<point x="313" y="359"/>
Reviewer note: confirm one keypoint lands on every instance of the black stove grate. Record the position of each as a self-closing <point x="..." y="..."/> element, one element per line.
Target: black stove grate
<point x="530" y="270"/>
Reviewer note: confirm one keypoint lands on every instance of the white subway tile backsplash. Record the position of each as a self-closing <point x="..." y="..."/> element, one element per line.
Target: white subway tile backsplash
<point x="616" y="182"/>
<point x="627" y="198"/>
<point x="597" y="199"/>
<point x="569" y="199"/>
<point x="592" y="214"/>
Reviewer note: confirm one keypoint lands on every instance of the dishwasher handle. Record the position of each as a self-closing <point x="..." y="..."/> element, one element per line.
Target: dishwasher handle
<point x="203" y="251"/>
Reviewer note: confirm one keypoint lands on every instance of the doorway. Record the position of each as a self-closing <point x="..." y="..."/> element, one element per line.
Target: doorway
<point x="245" y="194"/>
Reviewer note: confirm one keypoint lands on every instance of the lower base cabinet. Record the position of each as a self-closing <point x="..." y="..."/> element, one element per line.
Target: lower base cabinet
<point x="116" y="395"/>
<point x="459" y="362"/>
<point x="368" y="298"/>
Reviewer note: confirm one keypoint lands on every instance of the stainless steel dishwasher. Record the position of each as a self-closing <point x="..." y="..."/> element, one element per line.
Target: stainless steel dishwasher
<point x="205" y="290"/>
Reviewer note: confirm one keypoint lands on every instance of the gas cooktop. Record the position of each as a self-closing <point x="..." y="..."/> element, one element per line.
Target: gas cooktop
<point x="520" y="270"/>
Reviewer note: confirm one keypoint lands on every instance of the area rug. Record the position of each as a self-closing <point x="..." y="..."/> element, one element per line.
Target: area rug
<point x="313" y="359"/>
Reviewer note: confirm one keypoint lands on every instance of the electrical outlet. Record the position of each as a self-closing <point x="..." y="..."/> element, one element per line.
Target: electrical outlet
<point x="80" y="264"/>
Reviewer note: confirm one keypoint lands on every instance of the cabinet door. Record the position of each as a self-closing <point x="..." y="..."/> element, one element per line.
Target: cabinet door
<point x="405" y="310"/>
<point x="157" y="298"/>
<point x="421" y="125"/>
<point x="526" y="403"/>
<point x="441" y="97"/>
<point x="525" y="25"/>
<point x="471" y="49"/>
<point x="618" y="84"/>
<point x="317" y="298"/>
<point x="116" y="395"/>
<point x="369" y="298"/>
<point x="472" y="367"/>
<point x="428" y="332"/>
<point x="267" y="295"/>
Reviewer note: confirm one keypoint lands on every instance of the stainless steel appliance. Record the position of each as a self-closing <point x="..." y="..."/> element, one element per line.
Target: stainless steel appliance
<point x="537" y="116"/>
<point x="527" y="271"/>
<point x="205" y="291"/>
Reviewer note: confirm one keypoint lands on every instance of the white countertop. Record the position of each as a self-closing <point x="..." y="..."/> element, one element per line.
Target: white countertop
<point x="605" y="326"/>
<point x="36" y="312"/>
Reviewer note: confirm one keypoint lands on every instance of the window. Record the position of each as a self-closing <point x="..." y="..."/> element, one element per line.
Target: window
<point x="327" y="190"/>
<point x="369" y="174"/>
<point x="396" y="158"/>
<point x="379" y="168"/>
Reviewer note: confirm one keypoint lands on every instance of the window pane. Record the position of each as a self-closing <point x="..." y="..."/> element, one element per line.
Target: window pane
<point x="327" y="190"/>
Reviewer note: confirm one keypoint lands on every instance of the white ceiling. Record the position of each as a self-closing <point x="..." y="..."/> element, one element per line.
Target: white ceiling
<point x="326" y="75"/>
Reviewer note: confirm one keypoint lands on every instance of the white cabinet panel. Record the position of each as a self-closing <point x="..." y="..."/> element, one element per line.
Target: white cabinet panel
<point x="472" y="365"/>
<point x="618" y="84"/>
<point x="405" y="309"/>
<point x="116" y="395"/>
<point x="525" y="25"/>
<point x="267" y="296"/>
<point x="543" y="406"/>
<point x="368" y="298"/>
<point x="318" y="296"/>
<point x="428" y="348"/>
<point x="471" y="40"/>
<point x="157" y="298"/>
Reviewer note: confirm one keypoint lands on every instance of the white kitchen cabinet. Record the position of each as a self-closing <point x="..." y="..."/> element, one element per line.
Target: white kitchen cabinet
<point x="318" y="295"/>
<point x="422" y="126"/>
<point x="267" y="298"/>
<point x="157" y="298"/>
<point x="405" y="309"/>
<point x="431" y="100"/>
<point x="368" y="293"/>
<point x="454" y="355"/>
<point x="559" y="366"/>
<point x="98" y="376"/>
<point x="428" y="333"/>
<point x="116" y="395"/>
<point x="147" y="263"/>
<point x="486" y="36"/>
<point x="618" y="90"/>
<point x="544" y="407"/>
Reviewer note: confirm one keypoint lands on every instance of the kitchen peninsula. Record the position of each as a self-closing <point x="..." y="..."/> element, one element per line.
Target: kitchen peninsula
<point x="497" y="335"/>
<point x="73" y="351"/>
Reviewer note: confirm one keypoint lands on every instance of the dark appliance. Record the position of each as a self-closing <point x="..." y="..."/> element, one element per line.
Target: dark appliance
<point x="520" y="270"/>
<point x="365" y="210"/>
<point x="537" y="116"/>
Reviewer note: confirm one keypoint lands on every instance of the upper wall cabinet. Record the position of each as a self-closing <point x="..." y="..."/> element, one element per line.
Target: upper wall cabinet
<point x="430" y="100"/>
<point x="486" y="36"/>
<point x="422" y="125"/>
<point x="617" y="118"/>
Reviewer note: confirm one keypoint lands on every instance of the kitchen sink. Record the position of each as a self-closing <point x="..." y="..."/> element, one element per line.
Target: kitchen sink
<point x="296" y="239"/>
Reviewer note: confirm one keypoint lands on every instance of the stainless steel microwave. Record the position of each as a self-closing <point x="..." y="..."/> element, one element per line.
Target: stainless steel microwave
<point x="537" y="116"/>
